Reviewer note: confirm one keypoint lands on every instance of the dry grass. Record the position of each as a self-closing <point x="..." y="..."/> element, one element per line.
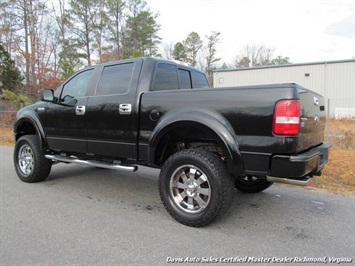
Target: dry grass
<point x="342" y="133"/>
<point x="6" y="136"/>
<point x="339" y="174"/>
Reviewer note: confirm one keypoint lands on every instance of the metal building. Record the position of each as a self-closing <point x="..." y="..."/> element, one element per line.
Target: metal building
<point x="335" y="80"/>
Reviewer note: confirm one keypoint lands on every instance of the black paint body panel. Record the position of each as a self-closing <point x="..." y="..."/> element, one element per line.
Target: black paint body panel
<point x="240" y="117"/>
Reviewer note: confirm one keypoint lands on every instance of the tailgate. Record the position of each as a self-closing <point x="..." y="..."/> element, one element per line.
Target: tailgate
<point x="313" y="116"/>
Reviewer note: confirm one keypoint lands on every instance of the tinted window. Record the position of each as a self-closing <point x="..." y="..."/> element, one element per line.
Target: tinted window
<point x="77" y="86"/>
<point x="115" y="79"/>
<point x="199" y="80"/>
<point x="184" y="79"/>
<point x="166" y="78"/>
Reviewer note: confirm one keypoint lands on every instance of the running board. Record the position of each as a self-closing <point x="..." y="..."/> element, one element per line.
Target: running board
<point x="66" y="159"/>
<point x="302" y="182"/>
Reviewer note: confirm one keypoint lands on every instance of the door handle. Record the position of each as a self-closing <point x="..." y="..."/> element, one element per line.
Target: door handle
<point x="80" y="110"/>
<point x="125" y="109"/>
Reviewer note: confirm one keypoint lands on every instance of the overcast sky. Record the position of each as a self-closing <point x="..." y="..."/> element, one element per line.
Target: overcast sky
<point x="304" y="30"/>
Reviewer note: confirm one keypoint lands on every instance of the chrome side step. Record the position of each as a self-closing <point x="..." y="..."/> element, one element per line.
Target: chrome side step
<point x="302" y="182"/>
<point x="66" y="159"/>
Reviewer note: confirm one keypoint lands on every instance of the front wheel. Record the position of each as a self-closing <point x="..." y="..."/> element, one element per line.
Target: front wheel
<point x="30" y="163"/>
<point x="195" y="187"/>
<point x="251" y="184"/>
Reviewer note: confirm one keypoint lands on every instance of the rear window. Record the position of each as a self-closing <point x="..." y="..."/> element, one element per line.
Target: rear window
<point x="166" y="78"/>
<point x="184" y="79"/>
<point x="115" y="79"/>
<point x="199" y="80"/>
<point x="169" y="77"/>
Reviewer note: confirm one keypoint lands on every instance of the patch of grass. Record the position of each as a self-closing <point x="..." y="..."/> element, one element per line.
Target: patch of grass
<point x="339" y="174"/>
<point x="6" y="136"/>
<point x="341" y="133"/>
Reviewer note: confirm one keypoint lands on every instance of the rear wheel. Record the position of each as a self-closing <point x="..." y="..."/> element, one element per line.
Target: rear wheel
<point x="30" y="163"/>
<point x="251" y="184"/>
<point x="195" y="187"/>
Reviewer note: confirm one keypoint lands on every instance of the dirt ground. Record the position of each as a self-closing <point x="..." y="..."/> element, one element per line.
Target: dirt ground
<point x="339" y="174"/>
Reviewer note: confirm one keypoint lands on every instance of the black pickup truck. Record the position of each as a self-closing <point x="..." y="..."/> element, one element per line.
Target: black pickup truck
<point x="162" y="114"/>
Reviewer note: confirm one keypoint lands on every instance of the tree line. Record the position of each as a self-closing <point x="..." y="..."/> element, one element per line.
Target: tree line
<point x="50" y="40"/>
<point x="44" y="42"/>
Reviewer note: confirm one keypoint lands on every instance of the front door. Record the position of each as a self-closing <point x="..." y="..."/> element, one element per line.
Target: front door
<point x="66" y="122"/>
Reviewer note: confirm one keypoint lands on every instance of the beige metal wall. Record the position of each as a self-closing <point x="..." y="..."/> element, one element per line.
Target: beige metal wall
<point x="334" y="80"/>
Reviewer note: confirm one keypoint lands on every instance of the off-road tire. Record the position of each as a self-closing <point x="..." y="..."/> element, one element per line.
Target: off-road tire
<point x="30" y="164"/>
<point x="206" y="178"/>
<point x="251" y="184"/>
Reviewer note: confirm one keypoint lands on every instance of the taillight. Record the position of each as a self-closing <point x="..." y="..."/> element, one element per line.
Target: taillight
<point x="286" y="117"/>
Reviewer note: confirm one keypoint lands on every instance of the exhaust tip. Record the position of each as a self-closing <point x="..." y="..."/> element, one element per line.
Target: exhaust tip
<point x="299" y="182"/>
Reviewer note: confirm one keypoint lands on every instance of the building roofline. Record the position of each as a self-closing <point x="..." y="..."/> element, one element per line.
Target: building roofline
<point x="286" y="65"/>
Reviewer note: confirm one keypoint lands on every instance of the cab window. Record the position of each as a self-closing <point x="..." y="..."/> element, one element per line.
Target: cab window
<point x="184" y="79"/>
<point x="166" y="78"/>
<point x="199" y="80"/>
<point x="77" y="86"/>
<point x="115" y="79"/>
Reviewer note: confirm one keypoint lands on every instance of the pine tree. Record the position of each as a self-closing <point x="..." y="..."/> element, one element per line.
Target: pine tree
<point x="179" y="52"/>
<point x="192" y="44"/>
<point x="10" y="77"/>
<point x="141" y="32"/>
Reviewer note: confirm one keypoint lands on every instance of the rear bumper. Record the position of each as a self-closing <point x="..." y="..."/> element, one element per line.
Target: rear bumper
<point x="301" y="165"/>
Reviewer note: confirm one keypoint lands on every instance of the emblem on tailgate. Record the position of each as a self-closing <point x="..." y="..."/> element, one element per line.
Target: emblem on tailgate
<point x="315" y="101"/>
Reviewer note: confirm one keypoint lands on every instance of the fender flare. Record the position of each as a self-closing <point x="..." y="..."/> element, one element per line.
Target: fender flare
<point x="202" y="119"/>
<point x="29" y="117"/>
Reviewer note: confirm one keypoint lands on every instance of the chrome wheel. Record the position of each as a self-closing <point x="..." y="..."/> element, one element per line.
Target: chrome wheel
<point x="190" y="189"/>
<point x="195" y="187"/>
<point x="29" y="161"/>
<point x="26" y="159"/>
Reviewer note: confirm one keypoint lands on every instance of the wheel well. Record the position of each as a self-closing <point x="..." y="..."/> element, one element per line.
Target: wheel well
<point x="181" y="138"/>
<point x="25" y="128"/>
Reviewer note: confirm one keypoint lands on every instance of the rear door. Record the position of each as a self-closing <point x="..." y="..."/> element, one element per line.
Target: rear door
<point x="112" y="113"/>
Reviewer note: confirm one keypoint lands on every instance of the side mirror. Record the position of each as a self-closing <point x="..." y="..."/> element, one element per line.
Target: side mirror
<point x="47" y="95"/>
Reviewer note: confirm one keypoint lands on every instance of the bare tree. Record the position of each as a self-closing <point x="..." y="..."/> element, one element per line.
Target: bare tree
<point x="67" y="51"/>
<point x="254" y="55"/>
<point x="82" y="15"/>
<point x="168" y="50"/>
<point x="211" y="57"/>
<point x="99" y="29"/>
<point x="116" y="19"/>
<point x="30" y="41"/>
<point x="20" y="11"/>
<point x="8" y="26"/>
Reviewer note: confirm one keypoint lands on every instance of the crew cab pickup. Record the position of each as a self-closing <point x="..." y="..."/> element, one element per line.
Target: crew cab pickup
<point x="158" y="113"/>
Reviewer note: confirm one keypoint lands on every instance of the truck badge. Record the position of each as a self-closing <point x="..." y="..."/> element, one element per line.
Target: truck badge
<point x="315" y="101"/>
